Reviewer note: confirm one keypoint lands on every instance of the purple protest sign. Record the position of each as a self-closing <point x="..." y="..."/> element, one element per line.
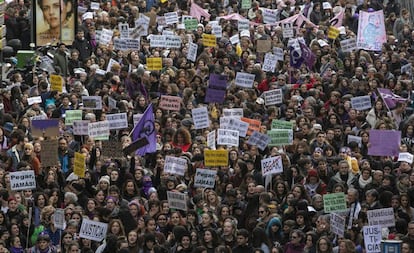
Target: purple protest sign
<point x="384" y="142"/>
<point x="217" y="81"/>
<point x="215" y="96"/>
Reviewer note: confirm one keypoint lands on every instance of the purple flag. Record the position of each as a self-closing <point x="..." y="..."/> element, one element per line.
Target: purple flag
<point x="308" y="57"/>
<point x="389" y="98"/>
<point x="145" y="128"/>
<point x="296" y="58"/>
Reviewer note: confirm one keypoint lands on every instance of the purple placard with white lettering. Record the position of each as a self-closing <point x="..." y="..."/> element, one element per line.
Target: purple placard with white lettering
<point x="214" y="96"/>
<point x="384" y="142"/>
<point x="217" y="81"/>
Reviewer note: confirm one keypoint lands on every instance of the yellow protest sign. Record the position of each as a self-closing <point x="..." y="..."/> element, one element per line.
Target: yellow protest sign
<point x="56" y="83"/>
<point x="333" y="32"/>
<point x="79" y="165"/>
<point x="209" y="40"/>
<point x="154" y="63"/>
<point x="214" y="158"/>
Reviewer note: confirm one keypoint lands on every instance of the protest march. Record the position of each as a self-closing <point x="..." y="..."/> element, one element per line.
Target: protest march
<point x="170" y="126"/>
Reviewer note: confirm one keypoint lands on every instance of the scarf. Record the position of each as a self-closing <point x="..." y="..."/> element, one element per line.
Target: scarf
<point x="362" y="183"/>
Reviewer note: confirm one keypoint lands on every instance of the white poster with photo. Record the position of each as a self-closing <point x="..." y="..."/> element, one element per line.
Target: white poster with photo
<point x="287" y="30"/>
<point x="106" y="36"/>
<point x="259" y="139"/>
<point x="177" y="200"/>
<point x="233" y="112"/>
<point x="272" y="165"/>
<point x="228" y="137"/>
<point x="123" y="30"/>
<point x="244" y="80"/>
<point x="175" y="165"/>
<point x="205" y="178"/>
<point x="269" y="63"/>
<point x="273" y="97"/>
<point x="171" y="18"/>
<point x="337" y="224"/>
<point x="200" y="117"/>
<point x="234" y="124"/>
<point x="192" y="52"/>
<point x="59" y="218"/>
<point x="93" y="230"/>
<point x="98" y="129"/>
<point x="92" y="102"/>
<point x="117" y="120"/>
<point x="361" y="103"/>
<point x="22" y="180"/>
<point x="211" y="140"/>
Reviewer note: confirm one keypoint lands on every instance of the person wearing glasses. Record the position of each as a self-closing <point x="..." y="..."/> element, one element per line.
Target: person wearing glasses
<point x="296" y="243"/>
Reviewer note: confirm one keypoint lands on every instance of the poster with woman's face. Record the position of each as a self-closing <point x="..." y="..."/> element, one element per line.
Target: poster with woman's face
<point x="55" y="22"/>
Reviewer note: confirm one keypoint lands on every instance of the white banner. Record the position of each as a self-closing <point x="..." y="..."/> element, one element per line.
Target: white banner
<point x="98" y="129"/>
<point x="228" y="137"/>
<point x="372" y="239"/>
<point x="273" y="97"/>
<point x="361" y="103"/>
<point x="200" y="117"/>
<point x="244" y="80"/>
<point x="383" y="217"/>
<point x="117" y="120"/>
<point x="272" y="165"/>
<point x="93" y="230"/>
<point x="175" y="165"/>
<point x="22" y="180"/>
<point x="205" y="178"/>
<point x="177" y="200"/>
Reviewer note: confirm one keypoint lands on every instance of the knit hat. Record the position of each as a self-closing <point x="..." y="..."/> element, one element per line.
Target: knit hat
<point x="105" y="179"/>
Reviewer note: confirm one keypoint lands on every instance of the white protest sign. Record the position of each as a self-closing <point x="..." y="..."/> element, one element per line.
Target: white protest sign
<point x="211" y="140"/>
<point x="259" y="139"/>
<point x="200" y="118"/>
<point x="112" y="103"/>
<point x="235" y="39"/>
<point x="407" y="69"/>
<point x="272" y="165"/>
<point x="234" y="124"/>
<point x="93" y="230"/>
<point x="167" y="33"/>
<point x="273" y="97"/>
<point x="175" y="165"/>
<point x="92" y="102"/>
<point x="136" y="118"/>
<point x="279" y="54"/>
<point x="80" y="127"/>
<point x="126" y="44"/>
<point x="157" y="41"/>
<point x="106" y="36"/>
<point x="177" y="200"/>
<point x="95" y="6"/>
<point x="244" y="80"/>
<point x="205" y="178"/>
<point x="171" y="18"/>
<point x="39" y="117"/>
<point x="337" y="224"/>
<point x="361" y="103"/>
<point x="110" y="63"/>
<point x="269" y="63"/>
<point x="98" y="129"/>
<point x="348" y="45"/>
<point x="59" y="218"/>
<point x="22" y="180"/>
<point x="383" y="217"/>
<point x="228" y="137"/>
<point x="354" y="138"/>
<point x="234" y="112"/>
<point x="269" y="16"/>
<point x="172" y="41"/>
<point x="124" y="30"/>
<point x="117" y="120"/>
<point x="288" y="30"/>
<point x="217" y="31"/>
<point x="405" y="157"/>
<point x="192" y="52"/>
<point x="243" y="24"/>
<point x="34" y="100"/>
<point x="372" y="238"/>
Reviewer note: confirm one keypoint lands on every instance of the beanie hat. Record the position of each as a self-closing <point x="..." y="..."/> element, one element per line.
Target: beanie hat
<point x="105" y="179"/>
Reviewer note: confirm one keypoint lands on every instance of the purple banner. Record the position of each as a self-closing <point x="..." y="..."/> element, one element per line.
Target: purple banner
<point x="384" y="142"/>
<point x="215" y="96"/>
<point x="217" y="81"/>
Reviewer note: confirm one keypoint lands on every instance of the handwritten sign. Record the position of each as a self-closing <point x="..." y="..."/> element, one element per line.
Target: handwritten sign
<point x="372" y="239"/>
<point x="56" y="83"/>
<point x="22" y="180"/>
<point x="337" y="224"/>
<point x="273" y="97"/>
<point x="333" y="32"/>
<point x="243" y="24"/>
<point x="98" y="129"/>
<point x="191" y="24"/>
<point x="334" y="202"/>
<point x="175" y="165"/>
<point x="154" y="63"/>
<point x="177" y="200"/>
<point x="383" y="217"/>
<point x="214" y="158"/>
<point x="205" y="178"/>
<point x="93" y="230"/>
<point x="172" y="103"/>
<point x="279" y="137"/>
<point x="209" y="40"/>
<point x="233" y="112"/>
<point x="348" y="45"/>
<point x="234" y="124"/>
<point x="287" y="31"/>
<point x="269" y="64"/>
<point x="34" y="100"/>
<point x="272" y="165"/>
<point x="200" y="117"/>
<point x="171" y="18"/>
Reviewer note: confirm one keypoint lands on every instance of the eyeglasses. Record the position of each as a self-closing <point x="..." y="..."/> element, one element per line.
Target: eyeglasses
<point x="261" y="211"/>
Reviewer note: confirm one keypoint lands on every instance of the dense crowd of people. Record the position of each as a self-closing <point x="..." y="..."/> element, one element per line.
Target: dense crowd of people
<point x="245" y="211"/>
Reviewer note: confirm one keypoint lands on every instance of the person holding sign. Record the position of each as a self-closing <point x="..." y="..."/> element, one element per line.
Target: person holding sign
<point x="182" y="139"/>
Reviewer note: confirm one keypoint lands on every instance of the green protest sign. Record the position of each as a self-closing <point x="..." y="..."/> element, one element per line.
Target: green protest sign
<point x="191" y="24"/>
<point x="279" y="137"/>
<point x="281" y="124"/>
<point x="334" y="202"/>
<point x="72" y="115"/>
<point x="246" y="4"/>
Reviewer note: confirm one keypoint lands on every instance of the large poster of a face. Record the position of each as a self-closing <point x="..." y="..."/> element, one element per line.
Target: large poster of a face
<point x="55" y="21"/>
